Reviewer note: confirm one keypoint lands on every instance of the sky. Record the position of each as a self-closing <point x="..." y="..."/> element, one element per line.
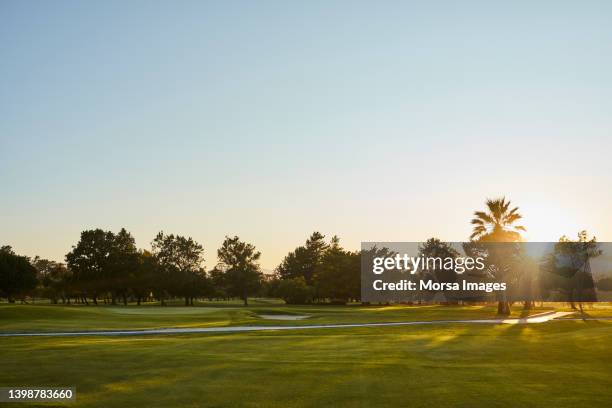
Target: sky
<point x="374" y="121"/>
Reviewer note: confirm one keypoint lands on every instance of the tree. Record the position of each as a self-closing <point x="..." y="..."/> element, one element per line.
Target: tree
<point x="17" y="275"/>
<point x="303" y="261"/>
<point x="103" y="262"/>
<point x="53" y="278"/>
<point x="122" y="264"/>
<point x="497" y="224"/>
<point x="434" y="248"/>
<point x="146" y="276"/>
<point x="337" y="276"/>
<point x="572" y="262"/>
<point x="218" y="283"/>
<point x="294" y="291"/>
<point x="89" y="262"/>
<point x="239" y="260"/>
<point x="367" y="256"/>
<point x="179" y="259"/>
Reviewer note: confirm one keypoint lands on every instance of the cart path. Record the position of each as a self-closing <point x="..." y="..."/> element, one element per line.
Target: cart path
<point x="538" y="318"/>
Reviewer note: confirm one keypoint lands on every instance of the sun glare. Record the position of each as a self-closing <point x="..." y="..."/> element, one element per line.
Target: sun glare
<point x="546" y="222"/>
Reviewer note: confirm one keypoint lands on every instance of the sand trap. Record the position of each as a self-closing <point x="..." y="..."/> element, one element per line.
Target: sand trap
<point x="283" y="317"/>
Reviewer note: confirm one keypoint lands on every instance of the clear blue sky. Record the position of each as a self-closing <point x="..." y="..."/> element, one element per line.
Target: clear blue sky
<point x="370" y="120"/>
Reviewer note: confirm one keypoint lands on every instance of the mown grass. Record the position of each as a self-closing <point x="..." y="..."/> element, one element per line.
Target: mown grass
<point x="554" y="364"/>
<point x="557" y="364"/>
<point x="23" y="318"/>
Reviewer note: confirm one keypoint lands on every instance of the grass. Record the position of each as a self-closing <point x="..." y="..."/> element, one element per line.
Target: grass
<point x="25" y="318"/>
<point x="556" y="364"/>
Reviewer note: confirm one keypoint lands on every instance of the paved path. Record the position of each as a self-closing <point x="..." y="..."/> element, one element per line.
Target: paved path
<point x="539" y="318"/>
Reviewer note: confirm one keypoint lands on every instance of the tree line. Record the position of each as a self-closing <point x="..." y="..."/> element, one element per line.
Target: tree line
<point x="106" y="266"/>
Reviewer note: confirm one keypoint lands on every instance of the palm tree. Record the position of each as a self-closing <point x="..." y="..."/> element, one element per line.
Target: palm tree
<point x="497" y="224"/>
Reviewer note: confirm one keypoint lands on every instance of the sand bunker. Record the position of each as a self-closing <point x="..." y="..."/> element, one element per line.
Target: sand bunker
<point x="282" y="317"/>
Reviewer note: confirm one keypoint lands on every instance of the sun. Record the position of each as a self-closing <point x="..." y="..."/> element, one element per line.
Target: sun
<point x="547" y="222"/>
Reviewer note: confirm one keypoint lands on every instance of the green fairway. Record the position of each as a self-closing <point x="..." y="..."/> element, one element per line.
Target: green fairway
<point x="49" y="318"/>
<point x="559" y="364"/>
<point x="555" y="364"/>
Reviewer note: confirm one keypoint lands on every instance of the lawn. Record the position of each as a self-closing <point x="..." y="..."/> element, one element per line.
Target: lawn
<point x="51" y="318"/>
<point x="555" y="364"/>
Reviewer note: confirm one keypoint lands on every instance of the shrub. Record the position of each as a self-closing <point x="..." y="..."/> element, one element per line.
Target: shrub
<point x="295" y="291"/>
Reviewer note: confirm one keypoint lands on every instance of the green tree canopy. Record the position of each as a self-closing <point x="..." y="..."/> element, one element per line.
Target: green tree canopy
<point x="239" y="261"/>
<point x="435" y="248"/>
<point x="497" y="223"/>
<point x="180" y="261"/>
<point x="17" y="275"/>
<point x="102" y="262"/>
<point x="337" y="276"/>
<point x="303" y="261"/>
